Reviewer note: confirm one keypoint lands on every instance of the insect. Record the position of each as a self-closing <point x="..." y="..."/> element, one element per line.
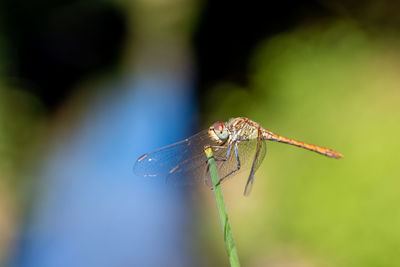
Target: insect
<point x="238" y="145"/>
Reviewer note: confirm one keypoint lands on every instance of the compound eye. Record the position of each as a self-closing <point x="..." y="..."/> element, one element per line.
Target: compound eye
<point x="218" y="126"/>
<point x="220" y="130"/>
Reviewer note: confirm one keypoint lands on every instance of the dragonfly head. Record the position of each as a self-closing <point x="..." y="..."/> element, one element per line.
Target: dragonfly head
<point x="218" y="132"/>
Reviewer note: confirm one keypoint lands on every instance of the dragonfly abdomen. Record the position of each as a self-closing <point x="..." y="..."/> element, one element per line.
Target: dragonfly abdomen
<point x="319" y="149"/>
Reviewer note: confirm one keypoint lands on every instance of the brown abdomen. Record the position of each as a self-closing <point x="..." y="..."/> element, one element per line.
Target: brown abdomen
<point x="319" y="149"/>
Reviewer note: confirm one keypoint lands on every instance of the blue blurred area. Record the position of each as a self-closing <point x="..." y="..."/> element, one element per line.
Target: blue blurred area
<point x="92" y="210"/>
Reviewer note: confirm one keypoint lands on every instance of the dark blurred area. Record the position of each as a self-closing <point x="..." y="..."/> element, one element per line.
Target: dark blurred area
<point x="227" y="33"/>
<point x="88" y="86"/>
<point x="53" y="41"/>
<point x="49" y="41"/>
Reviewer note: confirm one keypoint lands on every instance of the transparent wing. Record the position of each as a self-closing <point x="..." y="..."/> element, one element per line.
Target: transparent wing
<point x="184" y="162"/>
<point x="261" y="156"/>
<point x="179" y="163"/>
<point x="190" y="171"/>
<point x="258" y="159"/>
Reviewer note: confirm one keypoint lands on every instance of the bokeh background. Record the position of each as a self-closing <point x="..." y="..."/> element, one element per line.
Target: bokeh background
<point x="86" y="87"/>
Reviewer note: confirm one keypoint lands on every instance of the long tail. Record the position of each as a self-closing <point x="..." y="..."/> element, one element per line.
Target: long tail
<point x="319" y="149"/>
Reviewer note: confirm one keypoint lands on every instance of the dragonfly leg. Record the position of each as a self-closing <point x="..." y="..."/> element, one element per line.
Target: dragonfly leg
<point x="218" y="147"/>
<point x="237" y="166"/>
<point x="228" y="153"/>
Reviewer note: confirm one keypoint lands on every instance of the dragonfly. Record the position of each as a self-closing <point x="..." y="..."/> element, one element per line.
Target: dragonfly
<point x="239" y="146"/>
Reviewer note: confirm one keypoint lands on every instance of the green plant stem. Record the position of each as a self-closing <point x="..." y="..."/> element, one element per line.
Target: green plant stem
<point x="223" y="215"/>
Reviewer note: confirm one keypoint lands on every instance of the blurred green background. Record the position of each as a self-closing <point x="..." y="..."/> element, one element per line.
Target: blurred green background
<point x="336" y="86"/>
<point x="328" y="75"/>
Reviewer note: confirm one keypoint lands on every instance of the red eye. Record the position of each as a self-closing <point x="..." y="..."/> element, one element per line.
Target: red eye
<point x="218" y="126"/>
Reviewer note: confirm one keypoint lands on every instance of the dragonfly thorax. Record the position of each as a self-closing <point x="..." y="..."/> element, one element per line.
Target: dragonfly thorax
<point x="243" y="129"/>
